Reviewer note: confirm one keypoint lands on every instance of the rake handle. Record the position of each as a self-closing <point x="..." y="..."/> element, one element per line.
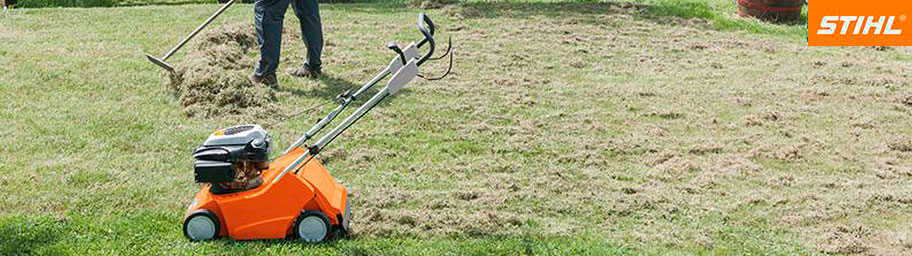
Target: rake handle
<point x="197" y="30"/>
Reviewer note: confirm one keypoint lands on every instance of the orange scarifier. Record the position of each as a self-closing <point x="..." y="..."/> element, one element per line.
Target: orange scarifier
<point x="244" y="196"/>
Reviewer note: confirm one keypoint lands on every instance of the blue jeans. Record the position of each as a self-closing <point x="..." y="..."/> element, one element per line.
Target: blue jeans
<point x="268" y="16"/>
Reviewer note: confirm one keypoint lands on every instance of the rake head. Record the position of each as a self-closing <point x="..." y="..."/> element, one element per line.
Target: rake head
<point x="160" y="63"/>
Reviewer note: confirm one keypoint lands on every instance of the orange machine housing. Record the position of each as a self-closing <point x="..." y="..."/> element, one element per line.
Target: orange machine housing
<point x="269" y="211"/>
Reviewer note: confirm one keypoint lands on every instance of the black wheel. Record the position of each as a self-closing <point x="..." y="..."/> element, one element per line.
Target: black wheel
<point x="312" y="227"/>
<point x="201" y="225"/>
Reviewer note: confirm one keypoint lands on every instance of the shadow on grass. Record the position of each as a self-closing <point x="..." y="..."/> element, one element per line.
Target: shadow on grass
<point x="332" y="87"/>
<point x="26" y="235"/>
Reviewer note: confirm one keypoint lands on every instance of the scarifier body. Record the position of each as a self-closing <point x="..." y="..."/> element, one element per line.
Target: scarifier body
<point x="245" y="196"/>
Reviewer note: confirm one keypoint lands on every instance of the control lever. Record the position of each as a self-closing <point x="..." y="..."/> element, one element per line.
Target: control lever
<point x="393" y="46"/>
<point x="344" y="96"/>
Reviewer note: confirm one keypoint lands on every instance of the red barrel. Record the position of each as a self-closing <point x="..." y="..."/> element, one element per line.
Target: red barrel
<point x="771" y="10"/>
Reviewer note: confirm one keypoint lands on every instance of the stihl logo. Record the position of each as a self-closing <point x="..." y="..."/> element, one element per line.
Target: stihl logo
<point x="859" y="25"/>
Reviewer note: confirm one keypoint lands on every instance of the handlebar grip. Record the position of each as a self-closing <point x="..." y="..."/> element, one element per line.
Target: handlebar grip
<point x="422" y="19"/>
<point x="428" y="32"/>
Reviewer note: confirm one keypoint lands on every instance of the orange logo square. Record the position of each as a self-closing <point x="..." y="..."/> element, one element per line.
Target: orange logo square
<point x="860" y="23"/>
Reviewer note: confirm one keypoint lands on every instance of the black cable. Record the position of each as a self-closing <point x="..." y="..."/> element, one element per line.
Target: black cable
<point x="449" y="47"/>
<point x="286" y="118"/>
<point x="449" y="69"/>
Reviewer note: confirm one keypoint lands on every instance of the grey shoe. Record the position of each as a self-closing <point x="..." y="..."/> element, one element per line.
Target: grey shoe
<point x="305" y="71"/>
<point x="267" y="79"/>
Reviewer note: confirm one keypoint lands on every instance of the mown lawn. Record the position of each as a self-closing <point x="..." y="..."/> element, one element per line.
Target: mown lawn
<point x="661" y="127"/>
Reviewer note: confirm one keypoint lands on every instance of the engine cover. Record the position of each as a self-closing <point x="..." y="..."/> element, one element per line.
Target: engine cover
<point x="217" y="160"/>
<point x="236" y="135"/>
<point x="243" y="143"/>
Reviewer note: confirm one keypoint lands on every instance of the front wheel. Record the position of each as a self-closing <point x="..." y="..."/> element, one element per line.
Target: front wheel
<point x="312" y="227"/>
<point x="200" y="226"/>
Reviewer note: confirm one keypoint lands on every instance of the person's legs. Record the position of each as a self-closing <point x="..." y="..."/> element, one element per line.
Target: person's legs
<point x="268" y="16"/>
<point x="308" y="12"/>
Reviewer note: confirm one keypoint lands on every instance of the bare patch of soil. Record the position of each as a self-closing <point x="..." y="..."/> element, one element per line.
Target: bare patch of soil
<point x="845" y="240"/>
<point x="905" y="100"/>
<point x="902" y="144"/>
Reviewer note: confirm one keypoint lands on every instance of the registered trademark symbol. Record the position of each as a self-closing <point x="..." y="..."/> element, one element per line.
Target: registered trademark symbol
<point x="902" y="18"/>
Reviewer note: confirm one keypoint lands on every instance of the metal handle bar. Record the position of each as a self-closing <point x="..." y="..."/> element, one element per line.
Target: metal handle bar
<point x="423" y="22"/>
<point x="422" y="19"/>
<point x="342" y="105"/>
<point x="427" y="28"/>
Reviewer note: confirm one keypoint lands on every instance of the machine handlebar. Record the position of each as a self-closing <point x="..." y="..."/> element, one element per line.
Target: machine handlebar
<point x="427" y="27"/>
<point x="426" y="22"/>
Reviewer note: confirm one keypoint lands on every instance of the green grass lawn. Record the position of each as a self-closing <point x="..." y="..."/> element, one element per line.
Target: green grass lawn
<point x="566" y="128"/>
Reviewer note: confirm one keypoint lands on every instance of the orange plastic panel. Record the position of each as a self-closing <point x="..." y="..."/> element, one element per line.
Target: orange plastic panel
<point x="269" y="211"/>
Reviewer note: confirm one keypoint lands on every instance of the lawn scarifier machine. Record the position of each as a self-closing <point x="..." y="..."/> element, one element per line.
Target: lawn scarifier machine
<point x="294" y="195"/>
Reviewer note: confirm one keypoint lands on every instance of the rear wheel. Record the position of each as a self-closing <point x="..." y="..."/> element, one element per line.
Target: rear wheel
<point x="312" y="227"/>
<point x="200" y="226"/>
